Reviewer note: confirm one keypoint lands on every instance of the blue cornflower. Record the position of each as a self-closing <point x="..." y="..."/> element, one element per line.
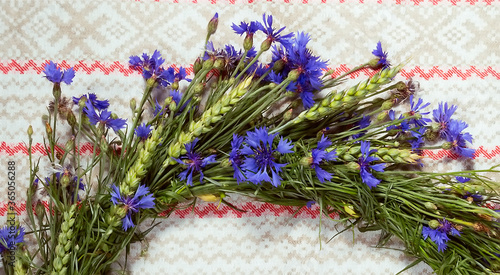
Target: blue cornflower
<point x="319" y="155"/>
<point x="462" y="179"/>
<point x="104" y="117"/>
<point x="416" y="109"/>
<point x="260" y="158"/>
<point x="142" y="199"/>
<point x="56" y="75"/>
<point x="362" y="124"/>
<point x="142" y="131"/>
<point x="8" y="240"/>
<point x="194" y="161"/>
<point x="403" y="127"/>
<point x="236" y="159"/>
<point x="98" y="104"/>
<point x="365" y="166"/>
<point x="151" y="67"/>
<point x="245" y="28"/>
<point x="295" y="57"/>
<point x="309" y="204"/>
<point x="382" y="56"/>
<point x="458" y="140"/>
<point x="176" y="77"/>
<point x="273" y="35"/>
<point x="442" y="116"/>
<point x="440" y="235"/>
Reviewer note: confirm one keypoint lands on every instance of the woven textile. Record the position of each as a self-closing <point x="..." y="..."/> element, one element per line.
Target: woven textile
<point x="450" y="46"/>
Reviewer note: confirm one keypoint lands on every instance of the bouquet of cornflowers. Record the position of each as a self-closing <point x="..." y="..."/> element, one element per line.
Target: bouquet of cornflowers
<point x="272" y="123"/>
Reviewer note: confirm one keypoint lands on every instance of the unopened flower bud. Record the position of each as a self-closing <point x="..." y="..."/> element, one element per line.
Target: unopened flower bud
<point x="56" y="91"/>
<point x="133" y="104"/>
<point x="278" y="65"/>
<point x="248" y="42"/>
<point x="212" y="24"/>
<point x="401" y="86"/>
<point x="353" y="166"/>
<point x="82" y="101"/>
<point x="208" y="64"/>
<point x="434" y="224"/>
<point x="70" y="117"/>
<point x="447" y="145"/>
<point x="266" y="45"/>
<point x="306" y="161"/>
<point x="387" y="105"/>
<point x="382" y="116"/>
<point x="288" y="115"/>
<point x="175" y="85"/>
<point x="430" y="206"/>
<point x="30" y="131"/>
<point x="197" y="65"/>
<point x="374" y="63"/>
<point x="293" y="75"/>
<point x="219" y="64"/>
<point x="69" y="145"/>
<point x="48" y="129"/>
<point x="199" y="88"/>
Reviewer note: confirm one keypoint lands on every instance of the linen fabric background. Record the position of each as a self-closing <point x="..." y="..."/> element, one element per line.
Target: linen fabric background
<point x="450" y="46"/>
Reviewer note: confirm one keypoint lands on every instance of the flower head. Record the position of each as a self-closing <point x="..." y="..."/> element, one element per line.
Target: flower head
<point x="416" y="110"/>
<point x="362" y="124"/>
<point x="142" y="199"/>
<point x="236" y="159"/>
<point x="151" y="67"/>
<point x="246" y="28"/>
<point x="365" y="166"/>
<point x="103" y="117"/>
<point x="9" y="239"/>
<point x="98" y="104"/>
<point x="259" y="151"/>
<point x="442" y="115"/>
<point x="142" y="131"/>
<point x="55" y="75"/>
<point x="458" y="140"/>
<point x="382" y="56"/>
<point x="439" y="235"/>
<point x="320" y="155"/>
<point x="273" y="35"/>
<point x="194" y="161"/>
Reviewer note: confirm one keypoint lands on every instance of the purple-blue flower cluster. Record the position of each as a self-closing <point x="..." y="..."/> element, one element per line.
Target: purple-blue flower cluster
<point x="10" y="239"/>
<point x="452" y="130"/>
<point x="365" y="165"/>
<point x="194" y="161"/>
<point x="254" y="156"/>
<point x="297" y="58"/>
<point x="439" y="235"/>
<point x="151" y="68"/>
<point x="55" y="75"/>
<point x="320" y="155"/>
<point x="142" y="199"/>
<point x="142" y="131"/>
<point x="382" y="56"/>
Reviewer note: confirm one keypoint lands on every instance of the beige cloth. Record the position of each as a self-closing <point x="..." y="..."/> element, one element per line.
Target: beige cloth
<point x="451" y="48"/>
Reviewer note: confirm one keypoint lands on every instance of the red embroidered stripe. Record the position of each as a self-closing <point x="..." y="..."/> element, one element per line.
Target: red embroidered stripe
<point x="107" y="68"/>
<point x="87" y="149"/>
<point x="252" y="209"/>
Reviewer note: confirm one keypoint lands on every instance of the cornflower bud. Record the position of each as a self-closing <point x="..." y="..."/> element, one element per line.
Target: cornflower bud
<point x="175" y="85"/>
<point x="197" y="66"/>
<point x="48" y="129"/>
<point x="30" y="131"/>
<point x="434" y="224"/>
<point x="133" y="104"/>
<point x="70" y="117"/>
<point x="219" y="64"/>
<point x="212" y="24"/>
<point x="248" y="42"/>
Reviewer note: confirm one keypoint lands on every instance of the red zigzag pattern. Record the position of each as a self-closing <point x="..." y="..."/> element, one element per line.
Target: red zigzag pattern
<point x="106" y="68"/>
<point x="205" y="210"/>
<point x="87" y="149"/>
